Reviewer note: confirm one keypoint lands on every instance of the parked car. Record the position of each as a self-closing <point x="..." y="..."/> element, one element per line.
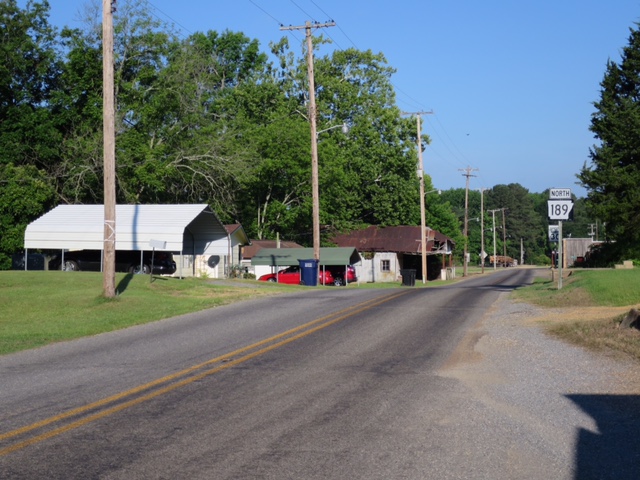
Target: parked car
<point x="291" y="275"/>
<point x="338" y="274"/>
<point x="126" y="261"/>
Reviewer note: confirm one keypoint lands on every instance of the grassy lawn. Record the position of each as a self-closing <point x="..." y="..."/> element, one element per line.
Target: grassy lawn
<point x="592" y="303"/>
<point x="39" y="308"/>
<point x="44" y="307"/>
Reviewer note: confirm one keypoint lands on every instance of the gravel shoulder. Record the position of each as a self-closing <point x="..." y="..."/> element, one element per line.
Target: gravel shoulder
<point x="579" y="411"/>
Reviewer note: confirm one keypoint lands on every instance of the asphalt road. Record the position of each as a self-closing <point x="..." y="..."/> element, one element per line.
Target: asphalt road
<point x="330" y="383"/>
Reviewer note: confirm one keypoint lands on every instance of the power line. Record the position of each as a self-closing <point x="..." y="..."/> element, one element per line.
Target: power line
<point x="265" y="12"/>
<point x="467" y="174"/>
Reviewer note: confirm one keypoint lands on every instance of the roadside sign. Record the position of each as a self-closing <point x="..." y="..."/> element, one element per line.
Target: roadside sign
<point x="554" y="233"/>
<point x="559" y="209"/>
<point x="559" y="194"/>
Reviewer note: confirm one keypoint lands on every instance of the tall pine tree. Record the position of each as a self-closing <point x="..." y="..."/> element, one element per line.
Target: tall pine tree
<point x="612" y="179"/>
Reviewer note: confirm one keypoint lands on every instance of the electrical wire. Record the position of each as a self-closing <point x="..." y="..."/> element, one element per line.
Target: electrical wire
<point x="166" y="15"/>
<point x="455" y="157"/>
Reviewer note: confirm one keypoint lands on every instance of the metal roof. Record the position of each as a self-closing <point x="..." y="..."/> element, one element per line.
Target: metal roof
<point x="191" y="229"/>
<point x="400" y="239"/>
<point x="249" y="251"/>
<point x="291" y="256"/>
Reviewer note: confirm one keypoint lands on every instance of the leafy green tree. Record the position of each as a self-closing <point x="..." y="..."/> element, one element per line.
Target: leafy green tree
<point x="369" y="176"/>
<point x="28" y="74"/>
<point x="366" y="177"/>
<point x="25" y="194"/>
<point x="521" y="223"/>
<point x="440" y="215"/>
<point x="613" y="176"/>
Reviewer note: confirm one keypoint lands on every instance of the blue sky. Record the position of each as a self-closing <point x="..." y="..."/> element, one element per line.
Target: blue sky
<point x="511" y="83"/>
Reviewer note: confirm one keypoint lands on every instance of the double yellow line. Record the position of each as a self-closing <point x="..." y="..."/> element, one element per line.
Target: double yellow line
<point x="77" y="417"/>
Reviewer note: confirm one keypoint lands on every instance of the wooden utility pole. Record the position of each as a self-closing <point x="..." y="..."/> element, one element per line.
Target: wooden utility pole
<point x="467" y="174"/>
<point x="504" y="235"/>
<point x="423" y="220"/>
<point x="314" y="136"/>
<point x="482" y="228"/>
<point x="493" y="214"/>
<point x="109" y="153"/>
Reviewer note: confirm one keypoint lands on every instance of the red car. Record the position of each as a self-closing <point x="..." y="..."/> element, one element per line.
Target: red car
<point x="338" y="274"/>
<point x="291" y="275"/>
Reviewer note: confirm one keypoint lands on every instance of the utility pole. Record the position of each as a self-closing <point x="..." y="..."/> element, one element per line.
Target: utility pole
<point x="314" y="136"/>
<point x="109" y="152"/>
<point x="423" y="226"/>
<point x="482" y="227"/>
<point x="504" y="235"/>
<point x="467" y="174"/>
<point x="493" y="213"/>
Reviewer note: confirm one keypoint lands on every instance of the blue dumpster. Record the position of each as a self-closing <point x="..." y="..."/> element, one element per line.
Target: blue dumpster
<point x="309" y="272"/>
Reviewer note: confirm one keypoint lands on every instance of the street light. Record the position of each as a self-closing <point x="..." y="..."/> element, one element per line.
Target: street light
<point x="344" y="127"/>
<point x="315" y="195"/>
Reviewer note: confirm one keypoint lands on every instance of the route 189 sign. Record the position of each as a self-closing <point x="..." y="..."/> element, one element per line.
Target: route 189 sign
<point x="560" y="204"/>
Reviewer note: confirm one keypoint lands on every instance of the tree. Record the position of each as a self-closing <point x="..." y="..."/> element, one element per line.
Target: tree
<point x="368" y="177"/>
<point x="613" y="177"/>
<point x="25" y="194"/>
<point x="28" y="74"/>
<point x="520" y="220"/>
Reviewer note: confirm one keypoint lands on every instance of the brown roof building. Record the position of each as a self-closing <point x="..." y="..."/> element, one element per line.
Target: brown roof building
<point x="388" y="250"/>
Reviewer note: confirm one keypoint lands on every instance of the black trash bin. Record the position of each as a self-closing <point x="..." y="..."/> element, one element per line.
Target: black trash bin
<point x="309" y="272"/>
<point x="408" y="277"/>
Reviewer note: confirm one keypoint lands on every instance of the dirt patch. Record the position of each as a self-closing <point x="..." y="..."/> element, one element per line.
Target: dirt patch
<point x="473" y="359"/>
<point x="577" y="314"/>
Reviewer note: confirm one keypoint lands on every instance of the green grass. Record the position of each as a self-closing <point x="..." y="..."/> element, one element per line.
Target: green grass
<point x="591" y="288"/>
<point x="39" y="308"/>
<point x="612" y="288"/>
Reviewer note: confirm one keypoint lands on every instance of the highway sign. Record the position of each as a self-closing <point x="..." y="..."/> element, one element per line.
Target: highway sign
<point x="554" y="233"/>
<point x="559" y="209"/>
<point x="560" y="194"/>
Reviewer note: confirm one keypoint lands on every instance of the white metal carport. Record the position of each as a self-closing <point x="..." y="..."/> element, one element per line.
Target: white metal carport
<point x="184" y="229"/>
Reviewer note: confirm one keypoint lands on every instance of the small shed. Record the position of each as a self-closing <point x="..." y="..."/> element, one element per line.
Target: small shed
<point x="187" y="230"/>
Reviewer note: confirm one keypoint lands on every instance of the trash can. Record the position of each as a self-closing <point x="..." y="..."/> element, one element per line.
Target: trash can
<point x="408" y="277"/>
<point x="309" y="272"/>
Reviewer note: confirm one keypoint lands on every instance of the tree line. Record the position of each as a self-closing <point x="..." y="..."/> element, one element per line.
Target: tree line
<point x="212" y="118"/>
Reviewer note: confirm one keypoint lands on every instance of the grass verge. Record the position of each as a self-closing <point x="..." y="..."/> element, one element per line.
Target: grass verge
<point x="39" y="308"/>
<point x="587" y="310"/>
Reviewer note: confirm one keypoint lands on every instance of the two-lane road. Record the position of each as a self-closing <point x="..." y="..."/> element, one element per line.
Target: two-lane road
<point x="325" y="383"/>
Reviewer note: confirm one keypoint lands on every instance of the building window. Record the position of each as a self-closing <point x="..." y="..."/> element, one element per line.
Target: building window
<point x="385" y="265"/>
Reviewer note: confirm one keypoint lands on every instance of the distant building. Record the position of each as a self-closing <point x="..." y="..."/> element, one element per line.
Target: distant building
<point x="574" y="250"/>
<point x="388" y="250"/>
<point x="249" y="251"/>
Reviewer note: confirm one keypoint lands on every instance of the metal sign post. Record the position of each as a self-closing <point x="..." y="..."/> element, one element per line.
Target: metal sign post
<point x="560" y="257"/>
<point x="560" y="207"/>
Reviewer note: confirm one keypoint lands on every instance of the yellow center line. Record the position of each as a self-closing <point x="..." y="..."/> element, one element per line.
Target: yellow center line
<point x="328" y="319"/>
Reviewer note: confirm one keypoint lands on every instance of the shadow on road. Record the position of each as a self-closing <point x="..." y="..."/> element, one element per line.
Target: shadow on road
<point x="614" y="453"/>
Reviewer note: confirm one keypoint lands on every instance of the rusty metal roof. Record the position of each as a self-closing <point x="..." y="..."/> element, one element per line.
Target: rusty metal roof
<point x="256" y="245"/>
<point x="401" y="239"/>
